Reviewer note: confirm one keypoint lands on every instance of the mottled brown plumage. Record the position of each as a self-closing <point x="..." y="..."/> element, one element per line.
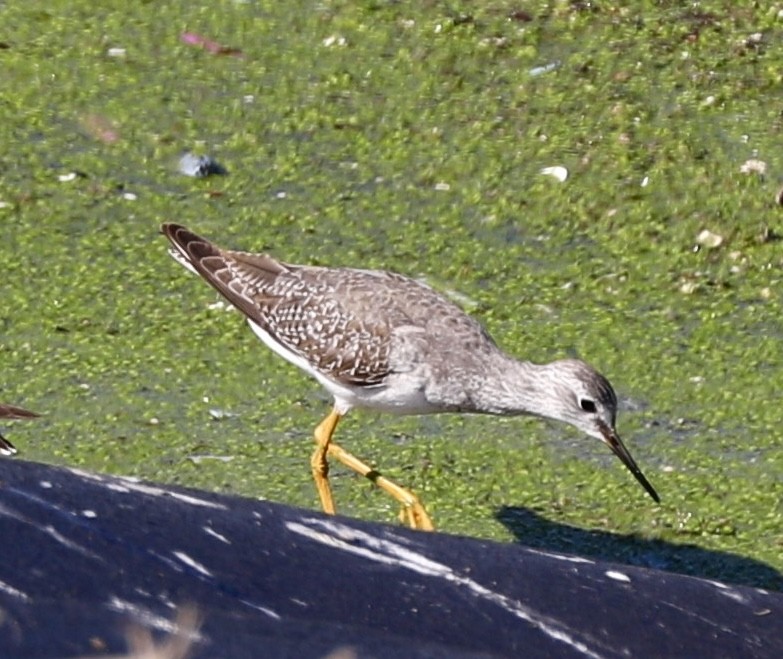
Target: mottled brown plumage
<point x="12" y="412"/>
<point x="383" y="341"/>
<point x="329" y="316"/>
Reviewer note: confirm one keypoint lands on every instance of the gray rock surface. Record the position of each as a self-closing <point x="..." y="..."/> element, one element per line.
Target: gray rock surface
<point x="85" y="556"/>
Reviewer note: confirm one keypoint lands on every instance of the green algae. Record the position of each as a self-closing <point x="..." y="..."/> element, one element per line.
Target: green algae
<point x="411" y="137"/>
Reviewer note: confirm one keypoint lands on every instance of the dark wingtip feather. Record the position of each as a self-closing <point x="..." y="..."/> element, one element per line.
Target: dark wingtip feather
<point x="6" y="447"/>
<point x="14" y="412"/>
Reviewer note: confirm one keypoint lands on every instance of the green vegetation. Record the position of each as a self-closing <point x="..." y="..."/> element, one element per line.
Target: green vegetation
<point x="411" y="136"/>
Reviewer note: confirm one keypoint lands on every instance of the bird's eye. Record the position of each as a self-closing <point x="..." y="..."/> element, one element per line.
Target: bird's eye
<point x="587" y="405"/>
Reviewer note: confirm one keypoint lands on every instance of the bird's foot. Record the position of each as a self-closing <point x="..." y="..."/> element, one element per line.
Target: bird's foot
<point x="414" y="515"/>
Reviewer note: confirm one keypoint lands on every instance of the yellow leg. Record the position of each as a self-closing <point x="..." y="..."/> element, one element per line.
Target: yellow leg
<point x="318" y="463"/>
<point x="412" y="510"/>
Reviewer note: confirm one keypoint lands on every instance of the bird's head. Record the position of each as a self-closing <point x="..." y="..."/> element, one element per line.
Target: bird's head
<point x="587" y="401"/>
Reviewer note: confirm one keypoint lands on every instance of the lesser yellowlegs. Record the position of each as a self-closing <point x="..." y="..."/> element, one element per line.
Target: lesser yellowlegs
<point x="382" y="341"/>
<point x="12" y="412"/>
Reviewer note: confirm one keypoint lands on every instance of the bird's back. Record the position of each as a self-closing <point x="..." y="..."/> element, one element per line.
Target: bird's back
<point x="355" y="327"/>
<point x="352" y="324"/>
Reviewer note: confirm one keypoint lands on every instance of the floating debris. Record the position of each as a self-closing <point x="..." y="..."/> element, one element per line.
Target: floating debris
<point x="498" y="42"/>
<point x="116" y="52"/>
<point x="754" y="166"/>
<point x="779" y="197"/>
<point x="753" y="40"/>
<point x="334" y="40"/>
<point x="541" y="70"/>
<point x="70" y="176"/>
<point x="200" y="166"/>
<point x="213" y="47"/>
<point x="197" y="459"/>
<point x="709" y="239"/>
<point x="100" y="128"/>
<point x="558" y="172"/>
<point x="520" y="16"/>
<point x="218" y="414"/>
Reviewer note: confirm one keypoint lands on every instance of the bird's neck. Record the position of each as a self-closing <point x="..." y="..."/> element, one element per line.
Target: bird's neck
<point x="515" y="387"/>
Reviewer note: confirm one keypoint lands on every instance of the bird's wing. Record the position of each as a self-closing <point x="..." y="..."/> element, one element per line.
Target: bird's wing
<point x="13" y="412"/>
<point x="298" y="306"/>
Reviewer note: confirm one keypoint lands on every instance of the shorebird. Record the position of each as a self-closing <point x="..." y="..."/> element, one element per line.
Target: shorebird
<point x="382" y="341"/>
<point x="12" y="412"/>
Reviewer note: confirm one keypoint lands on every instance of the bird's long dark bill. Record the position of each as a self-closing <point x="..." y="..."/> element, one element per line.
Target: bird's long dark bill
<point x="618" y="448"/>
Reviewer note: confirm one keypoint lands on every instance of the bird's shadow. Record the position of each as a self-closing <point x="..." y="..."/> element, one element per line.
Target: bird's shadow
<point x="532" y="530"/>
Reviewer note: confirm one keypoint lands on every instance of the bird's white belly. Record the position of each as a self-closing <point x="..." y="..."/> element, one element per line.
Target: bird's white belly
<point x="401" y="396"/>
<point x="404" y="395"/>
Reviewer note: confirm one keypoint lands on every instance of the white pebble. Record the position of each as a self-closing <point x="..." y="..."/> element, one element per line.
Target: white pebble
<point x="709" y="239"/>
<point x="558" y="172"/>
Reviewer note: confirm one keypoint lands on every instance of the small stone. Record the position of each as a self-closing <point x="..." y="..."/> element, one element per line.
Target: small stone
<point x="557" y="172"/>
<point x="200" y="166"/>
<point x="709" y="239"/>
